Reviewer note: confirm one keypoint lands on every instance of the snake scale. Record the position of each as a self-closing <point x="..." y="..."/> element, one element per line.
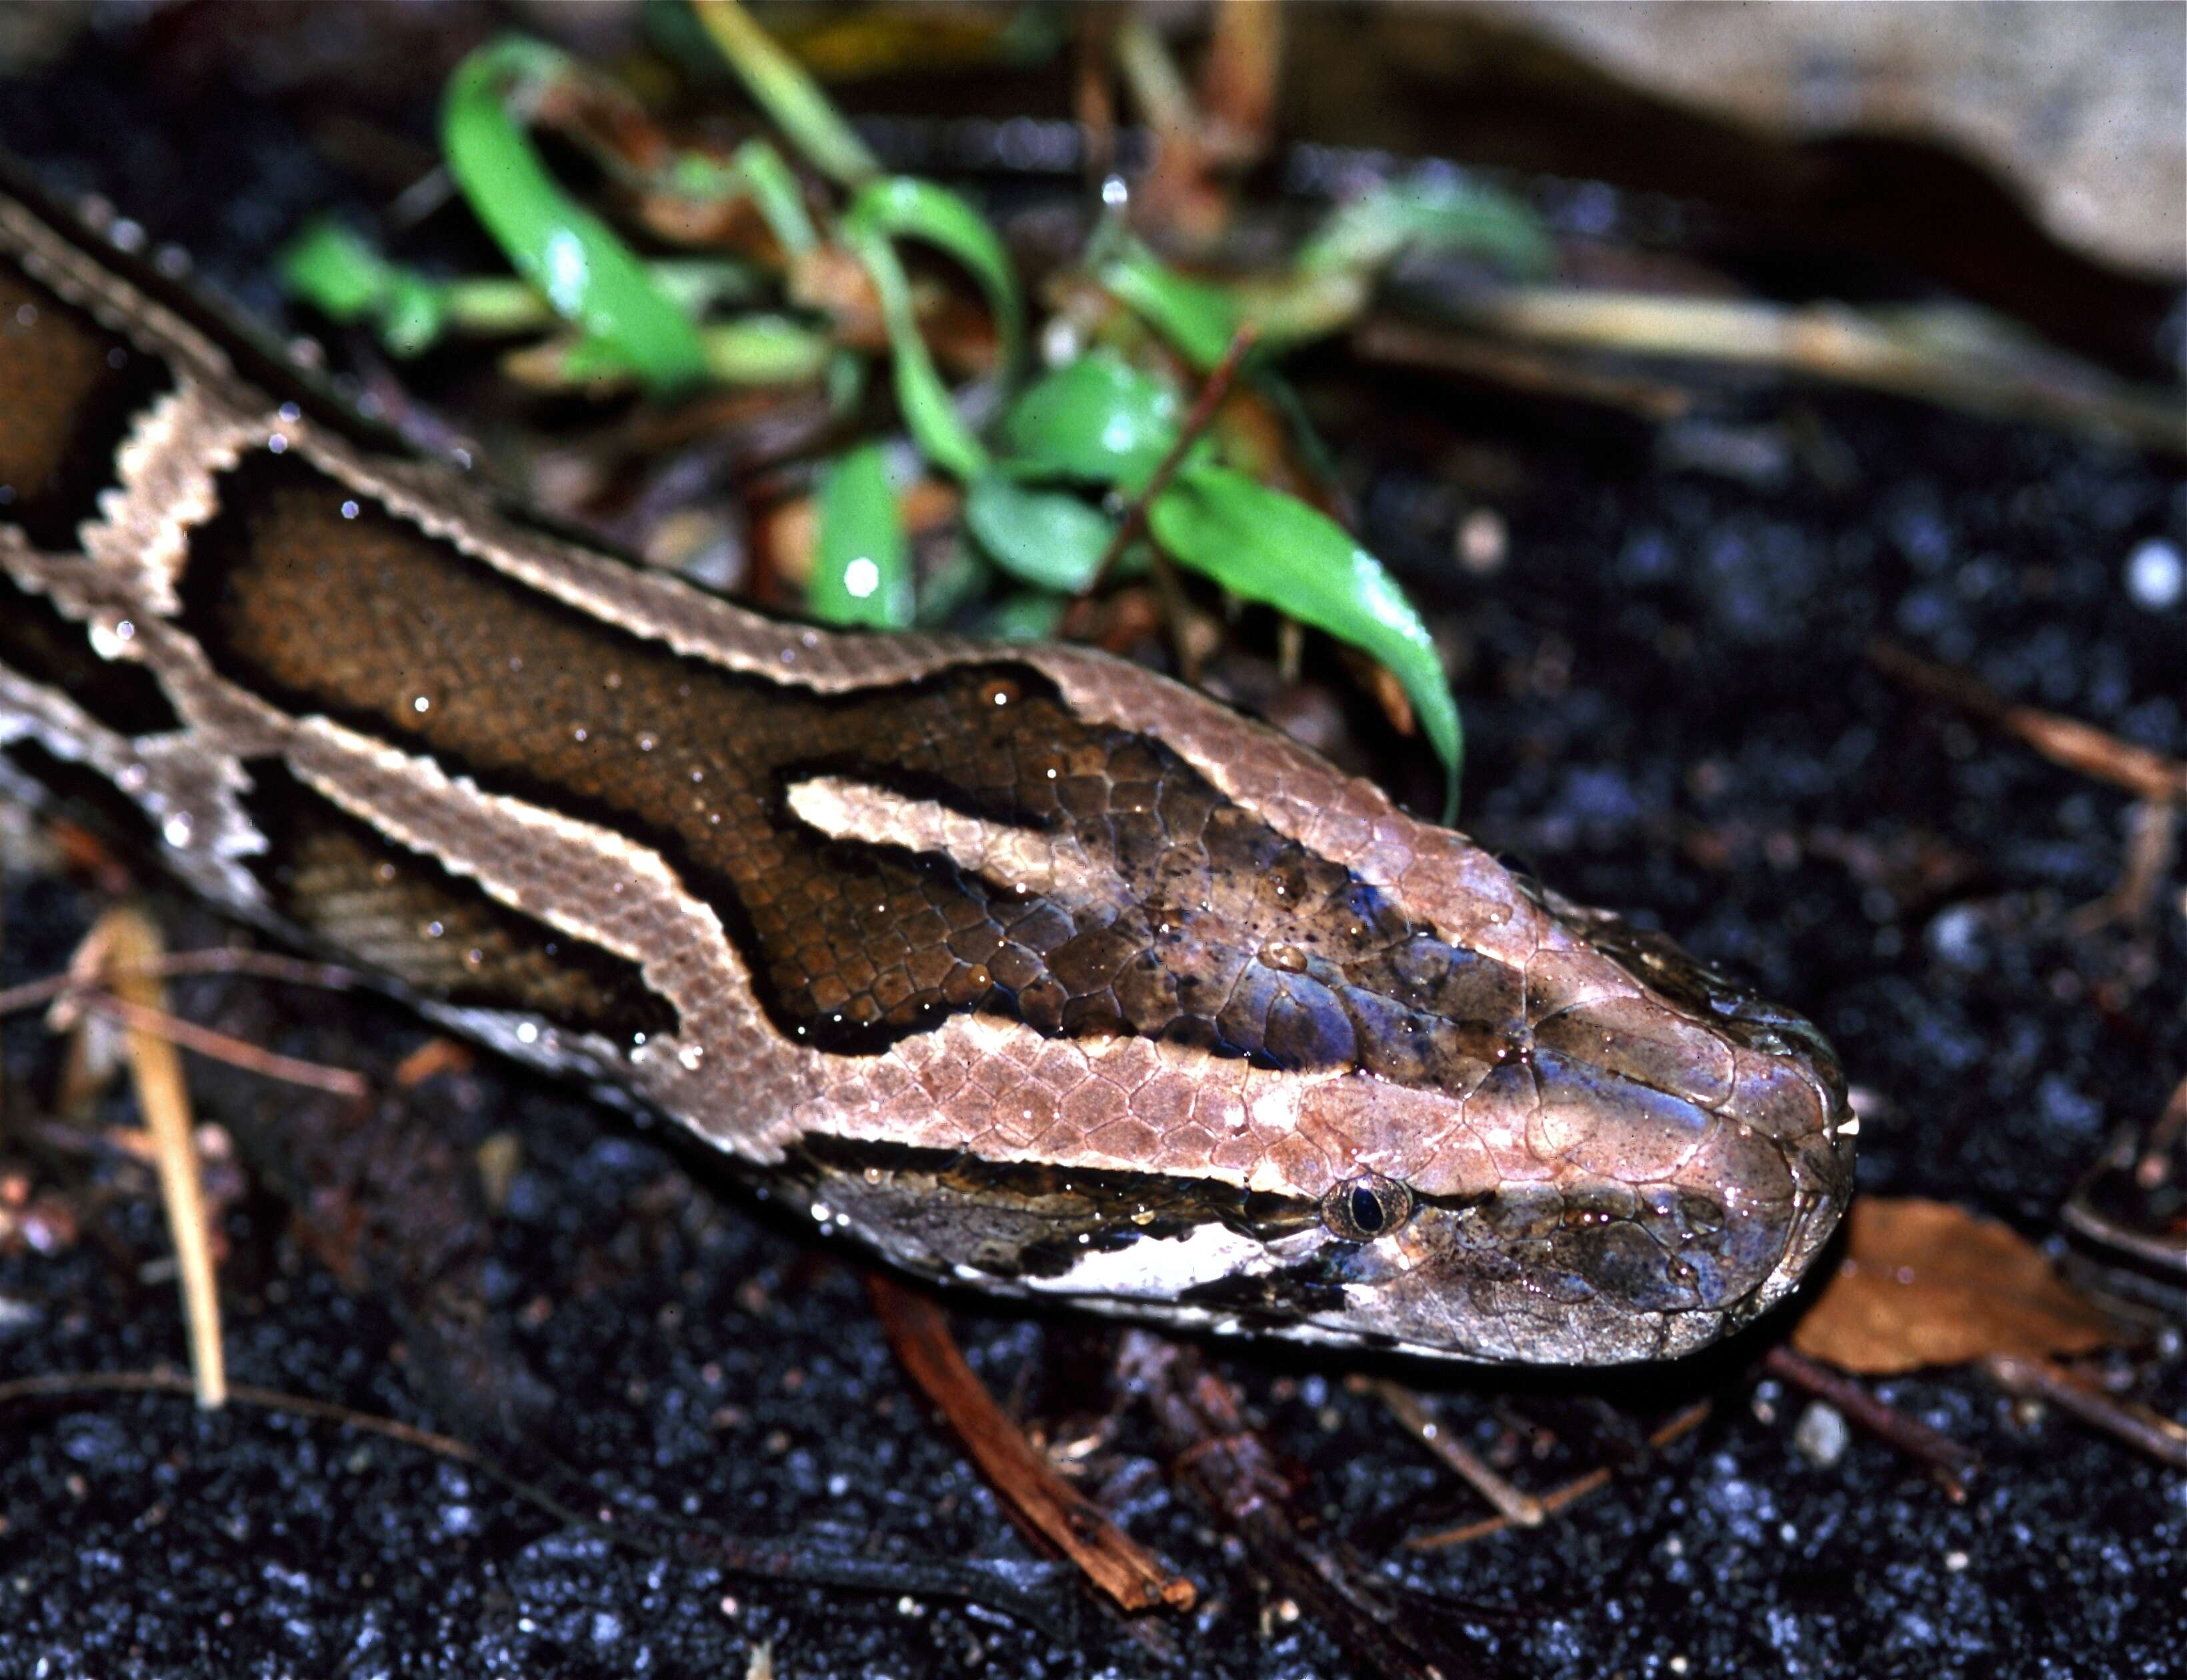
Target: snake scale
<point x="1031" y="969"/>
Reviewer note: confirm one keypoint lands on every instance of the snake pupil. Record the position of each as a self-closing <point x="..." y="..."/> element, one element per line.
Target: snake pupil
<point x="1366" y="1209"/>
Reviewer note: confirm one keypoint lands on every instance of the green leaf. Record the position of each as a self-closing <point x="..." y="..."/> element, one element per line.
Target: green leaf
<point x="1374" y="228"/>
<point x="1097" y="419"/>
<point x="751" y="349"/>
<point x="785" y="90"/>
<point x="588" y="274"/>
<point x="1045" y="537"/>
<point x="489" y="306"/>
<point x="936" y="426"/>
<point x="345" y="278"/>
<point x="413" y="315"/>
<point x="766" y="350"/>
<point x="697" y="285"/>
<point x="1198" y="317"/>
<point x="1268" y="547"/>
<point x="860" y="561"/>
<point x="903" y="207"/>
<point x="781" y="201"/>
<point x="339" y="273"/>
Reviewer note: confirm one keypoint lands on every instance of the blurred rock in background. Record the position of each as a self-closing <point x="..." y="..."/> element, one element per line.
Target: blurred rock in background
<point x="2079" y="108"/>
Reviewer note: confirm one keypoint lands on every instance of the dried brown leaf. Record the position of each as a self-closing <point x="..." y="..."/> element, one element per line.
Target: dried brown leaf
<point x="1926" y="1283"/>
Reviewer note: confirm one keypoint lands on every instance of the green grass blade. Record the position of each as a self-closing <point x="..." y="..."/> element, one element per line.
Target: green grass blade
<point x="755" y="171"/>
<point x="1268" y="547"/>
<point x="338" y="272"/>
<point x="775" y="190"/>
<point x="1198" y="317"/>
<point x="860" y="561"/>
<point x="1374" y="228"/>
<point x="936" y="426"/>
<point x="766" y="350"/>
<point x="785" y="90"/>
<point x="749" y="352"/>
<point x="905" y="207"/>
<point x="588" y="274"/>
<point x="1045" y="537"/>
<point x="698" y="284"/>
<point x="347" y="279"/>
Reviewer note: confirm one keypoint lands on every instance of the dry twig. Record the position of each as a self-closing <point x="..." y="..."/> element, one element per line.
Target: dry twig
<point x="218" y="960"/>
<point x="1197" y="419"/>
<point x="635" y="1530"/>
<point x="130" y="981"/>
<point x="1682" y="1422"/>
<point x="2127" y="1180"/>
<point x="1131" y="1575"/>
<point x="1234" y="1474"/>
<point x="126" y="937"/>
<point x="1955" y="357"/>
<point x="1517" y="1505"/>
<point x="157" y="1023"/>
<point x="2145" y="1430"/>
<point x="1952" y="1465"/>
<point x="1406" y="344"/>
<point x="2151" y="845"/>
<point x="2065" y="741"/>
<point x="65" y="1384"/>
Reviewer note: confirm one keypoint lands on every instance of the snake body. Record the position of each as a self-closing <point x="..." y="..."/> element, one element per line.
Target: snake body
<point x="1031" y="969"/>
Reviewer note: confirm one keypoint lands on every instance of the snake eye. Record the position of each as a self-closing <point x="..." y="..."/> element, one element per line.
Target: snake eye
<point x="1365" y="1206"/>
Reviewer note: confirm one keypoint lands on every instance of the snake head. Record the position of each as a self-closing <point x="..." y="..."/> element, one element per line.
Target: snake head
<point x="1654" y="1160"/>
<point x="1214" y="1034"/>
<point x="1565" y="1143"/>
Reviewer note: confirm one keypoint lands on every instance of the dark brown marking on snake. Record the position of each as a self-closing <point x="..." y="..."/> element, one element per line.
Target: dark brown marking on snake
<point x="255" y="354"/>
<point x="88" y="795"/>
<point x="1202" y="925"/>
<point x="344" y="883"/>
<point x="1269" y="1301"/>
<point x="40" y="642"/>
<point x="69" y="390"/>
<point x="1013" y="1220"/>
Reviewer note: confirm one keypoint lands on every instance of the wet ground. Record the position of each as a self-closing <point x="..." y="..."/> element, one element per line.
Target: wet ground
<point x="1669" y="711"/>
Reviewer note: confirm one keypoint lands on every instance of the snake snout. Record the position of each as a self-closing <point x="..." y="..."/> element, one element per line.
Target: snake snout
<point x="1675" y="1159"/>
<point x="1736" y="1129"/>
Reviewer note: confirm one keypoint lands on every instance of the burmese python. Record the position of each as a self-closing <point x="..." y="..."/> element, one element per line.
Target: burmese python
<point x="1031" y="970"/>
